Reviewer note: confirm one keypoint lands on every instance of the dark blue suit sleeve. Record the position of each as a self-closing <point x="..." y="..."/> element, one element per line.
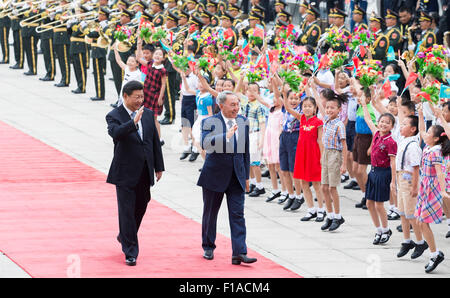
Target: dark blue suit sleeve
<point x="117" y="130"/>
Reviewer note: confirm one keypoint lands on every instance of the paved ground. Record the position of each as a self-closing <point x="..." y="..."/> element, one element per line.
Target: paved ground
<point x="75" y="125"/>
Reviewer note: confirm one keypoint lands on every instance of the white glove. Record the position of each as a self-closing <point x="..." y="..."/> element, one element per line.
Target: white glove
<point x="103" y="24"/>
<point x="411" y="47"/>
<point x="83" y="24"/>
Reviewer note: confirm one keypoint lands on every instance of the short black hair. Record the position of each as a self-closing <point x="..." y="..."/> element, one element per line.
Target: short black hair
<point x="410" y="105"/>
<point x="149" y="47"/>
<point x="404" y="8"/>
<point x="131" y="86"/>
<point x="414" y="122"/>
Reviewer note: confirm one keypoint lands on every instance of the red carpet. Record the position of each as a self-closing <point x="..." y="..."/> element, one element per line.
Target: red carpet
<point x="58" y="218"/>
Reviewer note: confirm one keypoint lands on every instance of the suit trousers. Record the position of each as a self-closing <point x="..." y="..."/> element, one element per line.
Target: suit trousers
<point x="235" y="202"/>
<point x="132" y="204"/>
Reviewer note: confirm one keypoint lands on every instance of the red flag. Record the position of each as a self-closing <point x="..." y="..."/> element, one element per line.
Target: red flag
<point x="411" y="79"/>
<point x="229" y="33"/>
<point x="273" y="55"/>
<point x="324" y="61"/>
<point x="192" y="65"/>
<point x="258" y="32"/>
<point x="387" y="89"/>
<point x="424" y="95"/>
<point x="356" y="62"/>
<point x="362" y="51"/>
<point x="290" y="28"/>
<point x="246" y="48"/>
<point x="262" y="62"/>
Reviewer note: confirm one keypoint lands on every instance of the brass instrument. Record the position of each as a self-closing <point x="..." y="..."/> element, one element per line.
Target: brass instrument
<point x="63" y="21"/>
<point x="42" y="16"/>
<point x="21" y="11"/>
<point x="104" y="41"/>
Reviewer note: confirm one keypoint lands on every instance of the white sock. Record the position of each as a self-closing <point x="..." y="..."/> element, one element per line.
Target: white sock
<point x="284" y="193"/>
<point x="364" y="194"/>
<point x="194" y="149"/>
<point x="259" y="185"/>
<point x="385" y="230"/>
<point x="434" y="254"/>
<point x="186" y="147"/>
<point x="291" y="196"/>
<point x="253" y="181"/>
<point x="330" y="215"/>
<point x="407" y="241"/>
<point x="275" y="191"/>
<point x="298" y="196"/>
<point x="337" y="215"/>
<point x="420" y="242"/>
<point x="312" y="210"/>
<point x="379" y="230"/>
<point x="321" y="210"/>
<point x="354" y="180"/>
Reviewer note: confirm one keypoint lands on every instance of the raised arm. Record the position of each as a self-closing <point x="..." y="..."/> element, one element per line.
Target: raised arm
<point x="118" y="59"/>
<point x="367" y="117"/>
<point x="422" y="127"/>
<point x="317" y="98"/>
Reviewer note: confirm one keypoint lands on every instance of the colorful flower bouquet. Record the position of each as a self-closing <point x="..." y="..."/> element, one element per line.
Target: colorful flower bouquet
<point x="146" y="30"/>
<point x="368" y="73"/>
<point x="432" y="61"/>
<point x="335" y="37"/>
<point x="360" y="37"/>
<point x="303" y="61"/>
<point x="292" y="78"/>
<point x="181" y="62"/>
<point x="122" y="33"/>
<point x="256" y="75"/>
<point x="430" y="93"/>
<point x="337" y="60"/>
<point x="159" y="34"/>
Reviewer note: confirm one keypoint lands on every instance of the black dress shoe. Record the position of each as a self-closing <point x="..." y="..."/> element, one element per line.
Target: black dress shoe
<point x="185" y="154"/>
<point x="345" y="178"/>
<point x="16" y="66"/>
<point x="273" y="197"/>
<point x="193" y="156"/>
<point x="283" y="198"/>
<point x="165" y="121"/>
<point x="385" y="237"/>
<point x="4" y="62"/>
<point x="208" y="254"/>
<point x="377" y="239"/>
<point x="327" y="224"/>
<point x="130" y="261"/>
<point x="61" y="84"/>
<point x="161" y="142"/>
<point x="405" y="248"/>
<point x="250" y="189"/>
<point x="237" y="260"/>
<point x="96" y="99"/>
<point x="434" y="262"/>
<point x="356" y="187"/>
<point x="297" y="204"/>
<point x="393" y="216"/>
<point x="118" y="239"/>
<point x="45" y="79"/>
<point x="320" y="216"/>
<point x="29" y="73"/>
<point x="336" y="223"/>
<point x="77" y="91"/>
<point x="309" y="216"/>
<point x="351" y="185"/>
<point x="288" y="203"/>
<point x="418" y="251"/>
<point x="265" y="174"/>
<point x="361" y="204"/>
<point x="257" y="192"/>
<point x="447" y="235"/>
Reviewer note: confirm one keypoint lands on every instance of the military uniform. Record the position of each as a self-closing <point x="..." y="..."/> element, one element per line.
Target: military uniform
<point x="311" y="33"/>
<point x="30" y="39"/>
<point x="381" y="44"/>
<point x="5" y="26"/>
<point x="158" y="18"/>
<point x="17" y="42"/>
<point x="393" y="34"/>
<point x="77" y="53"/>
<point x="61" y="41"/>
<point x="99" y="56"/>
<point x="48" y="49"/>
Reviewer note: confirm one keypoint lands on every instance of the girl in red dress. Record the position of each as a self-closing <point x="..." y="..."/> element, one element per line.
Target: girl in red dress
<point x="307" y="159"/>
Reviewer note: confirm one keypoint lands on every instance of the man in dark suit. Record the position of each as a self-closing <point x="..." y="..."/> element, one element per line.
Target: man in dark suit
<point x="137" y="156"/>
<point x="225" y="137"/>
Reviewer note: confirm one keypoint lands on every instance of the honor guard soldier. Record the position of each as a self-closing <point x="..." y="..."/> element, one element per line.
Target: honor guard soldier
<point x="17" y="40"/>
<point x="125" y="19"/>
<point x="392" y="31"/>
<point x="254" y="18"/>
<point x="190" y="6"/>
<point x="407" y="25"/>
<point x="5" y="26"/>
<point x="284" y="16"/>
<point x="61" y="40"/>
<point x="211" y="7"/>
<point x="172" y="5"/>
<point x="226" y="22"/>
<point x="222" y="7"/>
<point x="99" y="53"/>
<point x="139" y="6"/>
<point x="311" y="33"/>
<point x="358" y="18"/>
<point x="183" y="19"/>
<point x="172" y="79"/>
<point x="77" y="50"/>
<point x="427" y="36"/>
<point x="193" y="44"/>
<point x="302" y="14"/>
<point x="47" y="45"/>
<point x="30" y="39"/>
<point x="339" y="24"/>
<point x="206" y="17"/>
<point x="381" y="44"/>
<point x="235" y="12"/>
<point x="157" y="12"/>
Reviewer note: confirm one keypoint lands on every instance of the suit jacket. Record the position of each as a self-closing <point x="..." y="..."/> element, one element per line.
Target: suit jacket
<point x="130" y="152"/>
<point x="222" y="157"/>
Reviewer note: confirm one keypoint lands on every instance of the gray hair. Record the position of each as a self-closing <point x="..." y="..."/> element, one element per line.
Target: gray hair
<point x="222" y="97"/>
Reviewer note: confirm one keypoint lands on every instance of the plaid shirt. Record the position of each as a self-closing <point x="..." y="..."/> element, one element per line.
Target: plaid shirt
<point x="152" y="87"/>
<point x="333" y="133"/>
<point x="255" y="115"/>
